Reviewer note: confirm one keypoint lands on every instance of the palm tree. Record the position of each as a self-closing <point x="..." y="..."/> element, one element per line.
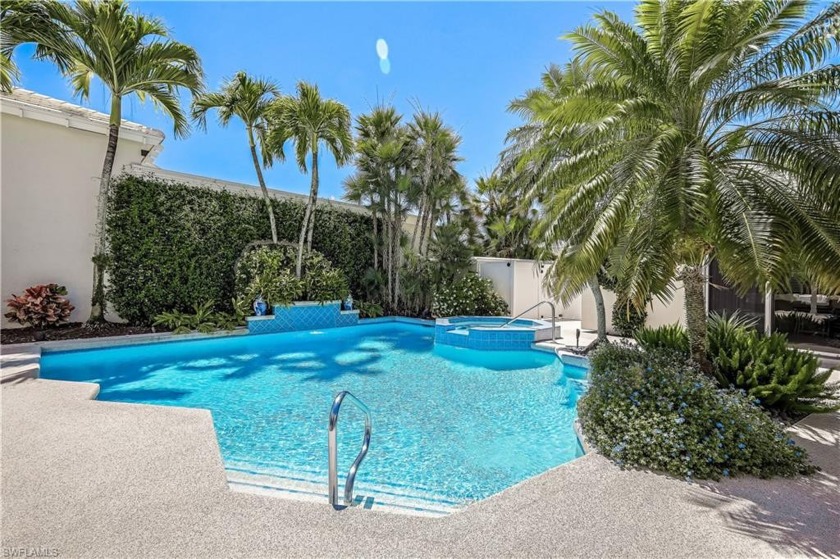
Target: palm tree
<point x="708" y="130"/>
<point x="384" y="157"/>
<point x="307" y="120"/>
<point x="130" y="54"/>
<point x="436" y="147"/>
<point x="21" y="21"/>
<point x="506" y="223"/>
<point x="248" y="99"/>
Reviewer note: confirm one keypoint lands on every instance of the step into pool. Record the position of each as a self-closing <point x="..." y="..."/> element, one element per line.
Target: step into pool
<point x="450" y="425"/>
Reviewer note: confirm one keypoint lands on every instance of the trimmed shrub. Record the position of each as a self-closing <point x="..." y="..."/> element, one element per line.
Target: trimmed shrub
<point x="469" y="295"/>
<point x="174" y="246"/>
<point x="654" y="409"/>
<point x="269" y="270"/>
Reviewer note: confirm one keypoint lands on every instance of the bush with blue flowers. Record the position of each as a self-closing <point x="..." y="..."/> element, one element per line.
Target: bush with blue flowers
<point x="654" y="409"/>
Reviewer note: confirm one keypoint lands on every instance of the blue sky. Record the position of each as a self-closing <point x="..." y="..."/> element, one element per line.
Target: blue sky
<point x="466" y="60"/>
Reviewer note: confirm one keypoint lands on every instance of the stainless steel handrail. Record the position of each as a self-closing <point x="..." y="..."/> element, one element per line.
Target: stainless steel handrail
<point x="332" y="430"/>
<point x="553" y="318"/>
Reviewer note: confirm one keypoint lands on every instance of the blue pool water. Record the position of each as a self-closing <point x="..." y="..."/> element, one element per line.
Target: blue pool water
<point x="456" y="423"/>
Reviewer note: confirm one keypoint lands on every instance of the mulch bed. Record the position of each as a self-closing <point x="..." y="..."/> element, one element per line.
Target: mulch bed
<point x="71" y="331"/>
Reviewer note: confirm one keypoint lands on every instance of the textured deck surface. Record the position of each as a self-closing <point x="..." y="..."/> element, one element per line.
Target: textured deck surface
<point x="102" y="479"/>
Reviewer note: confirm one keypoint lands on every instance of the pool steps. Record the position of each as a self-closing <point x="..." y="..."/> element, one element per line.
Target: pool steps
<point x="313" y="488"/>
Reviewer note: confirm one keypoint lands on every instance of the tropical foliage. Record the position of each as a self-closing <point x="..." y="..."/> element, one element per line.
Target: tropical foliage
<point x="411" y="168"/>
<point x="706" y="130"/>
<point x="129" y="53"/>
<point x="248" y="99"/>
<point x="203" y="318"/>
<point x="40" y="306"/>
<point x="308" y="122"/>
<point x="268" y="271"/>
<point x="655" y="409"/>
<point x="780" y="378"/>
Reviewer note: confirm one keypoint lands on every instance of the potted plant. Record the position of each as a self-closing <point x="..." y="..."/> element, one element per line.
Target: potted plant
<point x="41" y="306"/>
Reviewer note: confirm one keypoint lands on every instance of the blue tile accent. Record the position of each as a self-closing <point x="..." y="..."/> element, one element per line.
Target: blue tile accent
<point x="487" y="339"/>
<point x="304" y="317"/>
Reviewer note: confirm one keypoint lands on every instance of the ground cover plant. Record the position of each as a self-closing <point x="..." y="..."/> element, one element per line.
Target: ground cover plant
<point x="655" y="409"/>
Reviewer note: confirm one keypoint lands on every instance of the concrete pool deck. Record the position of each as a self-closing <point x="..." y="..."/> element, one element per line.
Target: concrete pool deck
<point x="103" y="479"/>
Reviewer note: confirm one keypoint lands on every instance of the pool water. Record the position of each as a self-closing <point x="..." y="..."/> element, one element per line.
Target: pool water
<point x="455" y="423"/>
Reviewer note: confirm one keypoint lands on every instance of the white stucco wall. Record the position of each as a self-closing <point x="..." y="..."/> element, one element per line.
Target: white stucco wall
<point x="49" y="180"/>
<point x="521" y="283"/>
<point x="659" y="313"/>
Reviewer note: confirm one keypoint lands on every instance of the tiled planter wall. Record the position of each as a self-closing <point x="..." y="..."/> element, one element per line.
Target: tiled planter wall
<point x="303" y="316"/>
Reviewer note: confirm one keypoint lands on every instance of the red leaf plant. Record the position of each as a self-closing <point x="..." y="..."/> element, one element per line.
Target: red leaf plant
<point x="40" y="306"/>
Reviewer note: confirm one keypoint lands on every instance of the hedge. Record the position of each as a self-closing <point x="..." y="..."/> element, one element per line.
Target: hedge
<point x="174" y="245"/>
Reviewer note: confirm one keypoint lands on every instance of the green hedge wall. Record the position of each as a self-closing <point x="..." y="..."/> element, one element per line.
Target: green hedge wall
<point x="174" y="245"/>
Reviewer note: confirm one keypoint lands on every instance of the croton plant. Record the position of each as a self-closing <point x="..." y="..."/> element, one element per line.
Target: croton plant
<point x="40" y="306"/>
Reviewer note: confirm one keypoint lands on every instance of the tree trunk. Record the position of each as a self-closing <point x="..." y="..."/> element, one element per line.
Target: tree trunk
<point x="694" y="283"/>
<point x="431" y="219"/>
<point x="98" y="300"/>
<point x="261" y="180"/>
<point x="397" y="247"/>
<point x="310" y="209"/>
<point x="389" y="233"/>
<point x="314" y="196"/>
<point x="375" y="237"/>
<point x="423" y="212"/>
<point x="600" y="308"/>
<point x="417" y="224"/>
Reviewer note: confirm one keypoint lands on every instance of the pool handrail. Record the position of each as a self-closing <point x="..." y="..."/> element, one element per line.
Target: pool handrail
<point x="553" y="318"/>
<point x="332" y="430"/>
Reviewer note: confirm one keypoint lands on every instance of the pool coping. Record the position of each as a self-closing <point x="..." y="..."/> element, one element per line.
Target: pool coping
<point x="161" y="337"/>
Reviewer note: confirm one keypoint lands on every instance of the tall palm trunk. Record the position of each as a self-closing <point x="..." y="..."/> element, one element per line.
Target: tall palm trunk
<point x="313" y="195"/>
<point x="308" y="214"/>
<point x="390" y="235"/>
<point x="694" y="283"/>
<point x="428" y="228"/>
<point x="417" y="223"/>
<point x="600" y="309"/>
<point x="423" y="213"/>
<point x="98" y="301"/>
<point x="397" y="247"/>
<point x="375" y="235"/>
<point x="263" y="188"/>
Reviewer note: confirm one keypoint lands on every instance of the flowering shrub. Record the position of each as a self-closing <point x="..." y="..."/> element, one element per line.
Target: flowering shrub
<point x="40" y="306"/>
<point x="469" y="295"/>
<point x="654" y="409"/>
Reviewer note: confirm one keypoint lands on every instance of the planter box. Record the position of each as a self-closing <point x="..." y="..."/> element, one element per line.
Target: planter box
<point x="303" y="315"/>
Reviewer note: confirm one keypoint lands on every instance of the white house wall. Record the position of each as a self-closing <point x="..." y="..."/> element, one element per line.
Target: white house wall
<point x="49" y="176"/>
<point x="659" y="313"/>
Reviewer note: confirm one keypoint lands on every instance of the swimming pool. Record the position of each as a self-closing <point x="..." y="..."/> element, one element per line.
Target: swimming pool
<point x="450" y="425"/>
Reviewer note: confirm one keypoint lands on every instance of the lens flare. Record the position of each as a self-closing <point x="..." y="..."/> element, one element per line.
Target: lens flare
<point x="382" y="49"/>
<point x="385" y="66"/>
